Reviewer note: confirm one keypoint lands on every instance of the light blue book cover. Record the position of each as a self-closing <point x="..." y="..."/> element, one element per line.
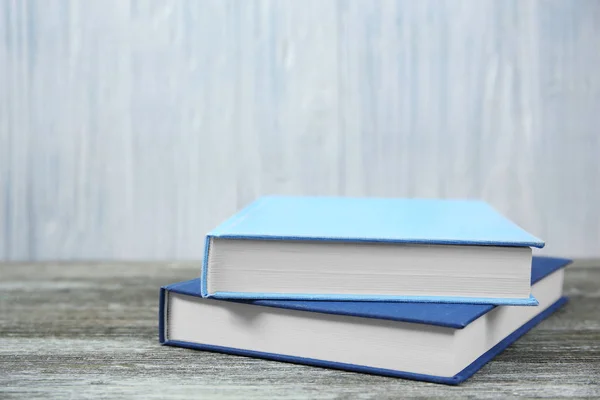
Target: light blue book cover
<point x="414" y="221"/>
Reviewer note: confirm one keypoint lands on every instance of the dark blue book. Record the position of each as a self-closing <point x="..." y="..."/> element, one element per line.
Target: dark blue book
<point x="437" y="342"/>
<point x="369" y="249"/>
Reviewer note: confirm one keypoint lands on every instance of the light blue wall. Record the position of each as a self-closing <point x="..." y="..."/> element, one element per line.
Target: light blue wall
<point x="129" y="128"/>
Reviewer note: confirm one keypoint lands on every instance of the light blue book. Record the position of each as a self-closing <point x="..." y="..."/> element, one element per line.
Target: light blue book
<point x="369" y="249"/>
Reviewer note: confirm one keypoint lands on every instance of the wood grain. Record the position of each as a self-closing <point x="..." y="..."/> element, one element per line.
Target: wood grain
<point x="130" y="128"/>
<point x="90" y="330"/>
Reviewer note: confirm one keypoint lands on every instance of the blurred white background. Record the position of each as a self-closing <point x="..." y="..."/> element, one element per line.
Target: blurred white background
<point x="130" y="128"/>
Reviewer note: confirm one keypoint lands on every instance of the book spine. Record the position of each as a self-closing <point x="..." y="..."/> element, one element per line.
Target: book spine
<point x="162" y="315"/>
<point x="204" y="274"/>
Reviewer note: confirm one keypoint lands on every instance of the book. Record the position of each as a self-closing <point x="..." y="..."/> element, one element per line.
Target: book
<point x="369" y="249"/>
<point x="437" y="342"/>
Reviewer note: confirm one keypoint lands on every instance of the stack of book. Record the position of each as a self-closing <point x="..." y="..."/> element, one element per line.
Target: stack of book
<point x="418" y="289"/>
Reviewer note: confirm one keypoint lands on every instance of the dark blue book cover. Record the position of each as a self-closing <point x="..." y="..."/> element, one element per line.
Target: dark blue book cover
<point x="457" y="316"/>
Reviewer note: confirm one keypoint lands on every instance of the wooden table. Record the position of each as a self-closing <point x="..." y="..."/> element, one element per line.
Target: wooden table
<point x="72" y="330"/>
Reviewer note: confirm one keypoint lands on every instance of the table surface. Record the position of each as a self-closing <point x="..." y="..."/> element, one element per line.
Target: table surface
<point x="90" y="330"/>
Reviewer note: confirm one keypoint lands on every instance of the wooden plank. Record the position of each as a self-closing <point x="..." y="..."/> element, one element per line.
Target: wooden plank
<point x="130" y="128"/>
<point x="90" y="330"/>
